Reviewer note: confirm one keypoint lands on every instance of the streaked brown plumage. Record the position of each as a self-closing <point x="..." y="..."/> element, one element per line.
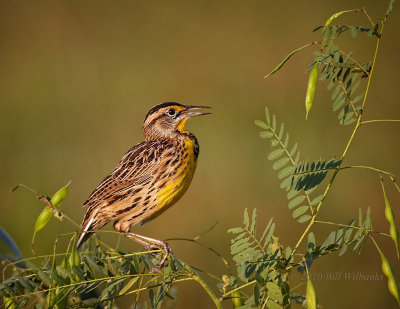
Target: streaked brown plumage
<point x="149" y="179"/>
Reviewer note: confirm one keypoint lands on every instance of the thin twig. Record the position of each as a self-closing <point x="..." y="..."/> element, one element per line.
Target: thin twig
<point x="368" y="168"/>
<point x="350" y="226"/>
<point x="355" y="61"/>
<point x="380" y="120"/>
<point x="313" y="218"/>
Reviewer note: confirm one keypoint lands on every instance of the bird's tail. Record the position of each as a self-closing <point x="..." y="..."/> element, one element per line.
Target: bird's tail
<point x="82" y="238"/>
<point x="84" y="233"/>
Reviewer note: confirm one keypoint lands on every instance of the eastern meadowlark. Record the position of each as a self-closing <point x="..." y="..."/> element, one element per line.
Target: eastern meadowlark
<point x="150" y="177"/>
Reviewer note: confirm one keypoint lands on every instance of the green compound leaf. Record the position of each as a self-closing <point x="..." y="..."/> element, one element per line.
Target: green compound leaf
<point x="307" y="176"/>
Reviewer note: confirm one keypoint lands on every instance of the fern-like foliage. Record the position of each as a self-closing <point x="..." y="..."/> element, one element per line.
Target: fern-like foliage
<point x="76" y="281"/>
<point x="260" y="260"/>
<point x="298" y="179"/>
<point x="339" y="240"/>
<point x="343" y="72"/>
<point x="307" y="176"/>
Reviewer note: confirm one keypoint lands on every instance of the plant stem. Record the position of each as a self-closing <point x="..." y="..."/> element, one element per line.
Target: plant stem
<point x="349" y="226"/>
<point x="369" y="18"/>
<point x="368" y="168"/>
<point x="238" y="288"/>
<point x="206" y="288"/>
<point x="380" y="120"/>
<point x="355" y="61"/>
<point x="313" y="218"/>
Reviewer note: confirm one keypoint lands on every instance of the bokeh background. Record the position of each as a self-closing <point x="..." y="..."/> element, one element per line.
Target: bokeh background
<point x="77" y="78"/>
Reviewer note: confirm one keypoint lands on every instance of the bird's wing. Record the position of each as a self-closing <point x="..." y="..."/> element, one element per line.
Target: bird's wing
<point x="135" y="168"/>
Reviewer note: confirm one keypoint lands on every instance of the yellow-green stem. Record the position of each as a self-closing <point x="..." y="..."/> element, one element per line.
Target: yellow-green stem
<point x="312" y="221"/>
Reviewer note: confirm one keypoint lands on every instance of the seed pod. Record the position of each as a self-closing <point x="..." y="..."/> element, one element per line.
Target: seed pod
<point x="9" y="303"/>
<point x="74" y="258"/>
<point x="46" y="214"/>
<point x="311" y="297"/>
<point x="64" y="263"/>
<point x="336" y="15"/>
<point x="237" y="299"/>
<point x="312" y="84"/>
<point x="389" y="214"/>
<point x="59" y="196"/>
<point x="387" y="269"/>
<point x="41" y="221"/>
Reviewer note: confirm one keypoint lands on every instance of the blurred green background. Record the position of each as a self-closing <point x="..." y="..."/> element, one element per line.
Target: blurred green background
<point x="78" y="77"/>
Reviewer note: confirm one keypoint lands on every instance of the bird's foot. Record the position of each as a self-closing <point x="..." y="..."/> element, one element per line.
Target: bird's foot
<point x="167" y="251"/>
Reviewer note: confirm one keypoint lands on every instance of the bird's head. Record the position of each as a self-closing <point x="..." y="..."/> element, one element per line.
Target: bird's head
<point x="166" y="120"/>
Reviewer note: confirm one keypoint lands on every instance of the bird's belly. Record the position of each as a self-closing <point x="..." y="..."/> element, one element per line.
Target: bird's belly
<point x="158" y="194"/>
<point x="175" y="188"/>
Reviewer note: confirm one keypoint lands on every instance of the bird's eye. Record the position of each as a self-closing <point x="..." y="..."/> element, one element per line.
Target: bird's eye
<point x="171" y="112"/>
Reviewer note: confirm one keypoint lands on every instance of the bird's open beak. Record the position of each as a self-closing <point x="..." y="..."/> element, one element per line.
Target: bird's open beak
<point x="187" y="112"/>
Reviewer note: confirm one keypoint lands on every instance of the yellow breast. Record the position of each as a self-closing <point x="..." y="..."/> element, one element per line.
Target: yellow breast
<point x="179" y="183"/>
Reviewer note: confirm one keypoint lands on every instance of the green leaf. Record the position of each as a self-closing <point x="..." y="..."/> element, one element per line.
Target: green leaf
<point x="339" y="236"/>
<point x="292" y="193"/>
<point x="281" y="130"/>
<point x="343" y="250"/>
<point x="266" y="134"/>
<point x="330" y="240"/>
<point x="111" y="286"/>
<point x="256" y="294"/>
<point x="275" y="154"/>
<point x="78" y="272"/>
<point x="285" y="184"/>
<point x="235" y="230"/>
<point x="268" y="238"/>
<point x="266" y="229"/>
<point x="64" y="272"/>
<point x="335" y="92"/>
<point x="253" y="221"/>
<point x="267" y="116"/>
<point x="44" y="277"/>
<point x="288" y="252"/>
<point x="246" y="220"/>
<point x="296" y="201"/>
<point x="273" y="125"/>
<point x="280" y="163"/>
<point x="299" y="211"/>
<point x="285" y="172"/>
<point x="274" y="292"/>
<point x="27" y="284"/>
<point x="128" y="285"/>
<point x="261" y="124"/>
<point x="272" y="305"/>
<point x="293" y="150"/>
<point x="304" y="218"/>
<point x="317" y="200"/>
<point x="358" y="98"/>
<point x="94" y="264"/>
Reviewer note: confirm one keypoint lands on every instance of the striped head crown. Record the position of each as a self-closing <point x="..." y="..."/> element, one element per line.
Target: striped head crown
<point x="166" y="120"/>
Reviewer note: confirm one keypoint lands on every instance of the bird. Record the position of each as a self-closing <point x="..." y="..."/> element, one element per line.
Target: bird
<point x="151" y="177"/>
